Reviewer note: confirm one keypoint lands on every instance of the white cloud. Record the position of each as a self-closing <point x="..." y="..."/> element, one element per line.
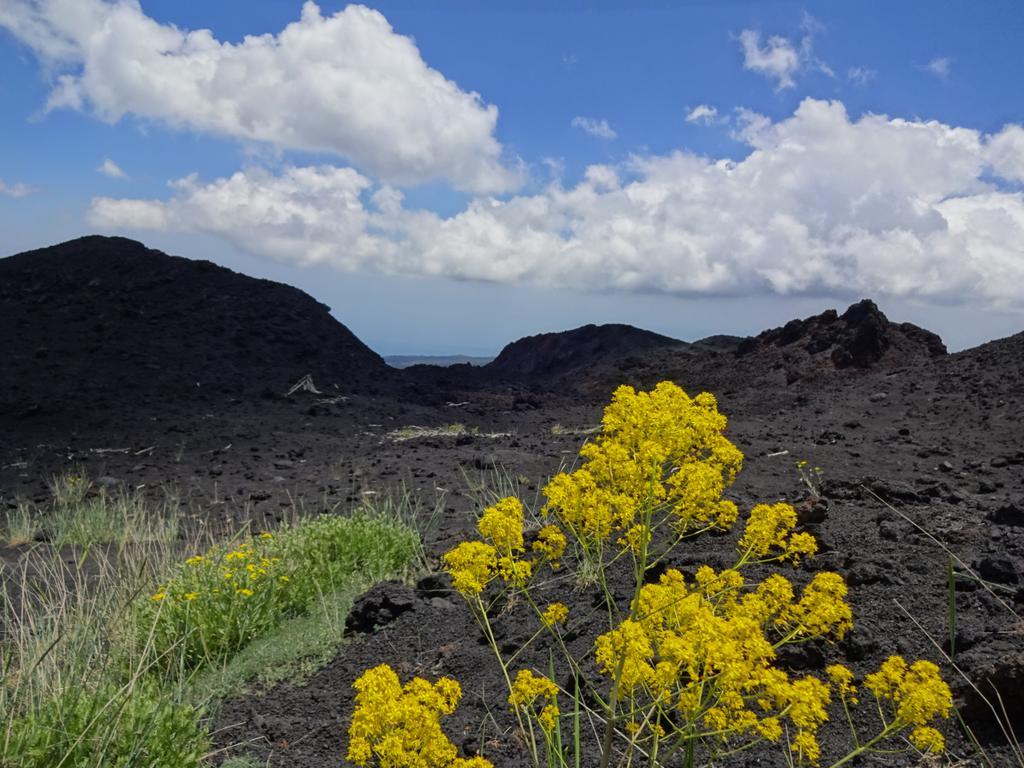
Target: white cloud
<point x="597" y="128"/>
<point x="1006" y="153"/>
<point x="702" y="113"/>
<point x="15" y="190"/>
<point x="346" y="84"/>
<point x="821" y="204"/>
<point x="940" y="67"/>
<point x="781" y="59"/>
<point x="109" y="168"/>
<point x="860" y="75"/>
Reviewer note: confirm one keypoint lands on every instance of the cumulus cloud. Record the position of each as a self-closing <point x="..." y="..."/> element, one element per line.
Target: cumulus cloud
<point x="940" y="67"/>
<point x="1006" y="153"/>
<point x="346" y="84"/>
<point x="109" y="168"/>
<point x="821" y="203"/>
<point x="596" y="128"/>
<point x="15" y="190"/>
<point x="702" y="113"/>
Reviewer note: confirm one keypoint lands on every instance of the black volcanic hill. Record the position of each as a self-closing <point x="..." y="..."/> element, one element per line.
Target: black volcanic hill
<point x="862" y="337"/>
<point x="102" y="319"/>
<point x="549" y="356"/>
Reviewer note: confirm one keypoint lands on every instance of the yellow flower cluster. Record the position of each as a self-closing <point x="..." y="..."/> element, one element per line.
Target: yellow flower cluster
<point x="918" y="695"/>
<point x="556" y="613"/>
<point x="842" y="680"/>
<point x="657" y="449"/>
<point x="550" y="544"/>
<point x="706" y="651"/>
<point x="502" y="525"/>
<point x="397" y="726"/>
<point x="242" y="571"/>
<point x="698" y="656"/>
<point x="530" y="691"/>
<point x="474" y="564"/>
<point x="768" y="535"/>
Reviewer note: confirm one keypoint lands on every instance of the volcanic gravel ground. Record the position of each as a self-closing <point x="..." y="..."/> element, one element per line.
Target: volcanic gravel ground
<point x="940" y="442"/>
<point x="887" y="416"/>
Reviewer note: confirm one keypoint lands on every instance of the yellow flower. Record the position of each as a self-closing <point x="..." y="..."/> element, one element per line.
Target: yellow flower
<point x="927" y="739"/>
<point x="244" y="592"/>
<point x="918" y="693"/>
<point x="842" y="679"/>
<point x="822" y="610"/>
<point x="528" y="686"/>
<point x="157" y="597"/>
<point x="556" y="613"/>
<point x="806" y="747"/>
<point x="400" y="726"/>
<point x="548" y="718"/>
<point x="194" y="560"/>
<point x="767" y="529"/>
<point x="503" y="525"/>
<point x="550" y="544"/>
<point x="472" y="565"/>
<point x="190" y="596"/>
<point x="635" y="539"/>
<point x="626" y="651"/>
<point x="266" y="535"/>
<point x="517" y="572"/>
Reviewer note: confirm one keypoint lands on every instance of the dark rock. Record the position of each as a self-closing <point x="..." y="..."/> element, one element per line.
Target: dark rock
<point x="1009" y="514"/>
<point x="859" y="643"/>
<point x="997" y="685"/>
<point x="889" y="530"/>
<point x="811" y="511"/>
<point x="380" y="606"/>
<point x="998" y="569"/>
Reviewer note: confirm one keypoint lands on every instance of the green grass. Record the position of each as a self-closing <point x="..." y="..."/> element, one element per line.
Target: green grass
<point x="292" y="652"/>
<point x="82" y="516"/>
<point x="93" y="672"/>
<point x="214" y="604"/>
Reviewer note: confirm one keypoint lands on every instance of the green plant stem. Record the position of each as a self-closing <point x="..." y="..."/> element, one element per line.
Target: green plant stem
<point x="886" y="732"/>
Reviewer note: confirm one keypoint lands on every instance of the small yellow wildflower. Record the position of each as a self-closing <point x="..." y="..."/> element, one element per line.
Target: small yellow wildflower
<point x="244" y="592"/>
<point x="528" y="686"/>
<point x="502" y="523"/>
<point x="550" y="544"/>
<point x="194" y="560"/>
<point x="626" y="649"/>
<point x="842" y="679"/>
<point x="635" y="539"/>
<point x="548" y="718"/>
<point x="190" y="596"/>
<point x="927" y="739"/>
<point x="472" y="565"/>
<point x="556" y="613"/>
<point x="806" y="747"/>
<point x="158" y="596"/>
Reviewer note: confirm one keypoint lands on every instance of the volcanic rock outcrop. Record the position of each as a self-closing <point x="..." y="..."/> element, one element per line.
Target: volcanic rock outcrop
<point x="102" y="319"/>
<point x="550" y="356"/>
<point x="862" y="337"/>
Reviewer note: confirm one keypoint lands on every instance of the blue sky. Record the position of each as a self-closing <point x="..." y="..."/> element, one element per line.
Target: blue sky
<point x="449" y="176"/>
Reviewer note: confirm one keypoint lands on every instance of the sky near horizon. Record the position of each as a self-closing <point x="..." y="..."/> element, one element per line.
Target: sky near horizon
<point x="451" y="175"/>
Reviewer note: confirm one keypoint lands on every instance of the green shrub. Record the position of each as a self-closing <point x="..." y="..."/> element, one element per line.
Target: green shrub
<point x="113" y="727"/>
<point x="213" y="604"/>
